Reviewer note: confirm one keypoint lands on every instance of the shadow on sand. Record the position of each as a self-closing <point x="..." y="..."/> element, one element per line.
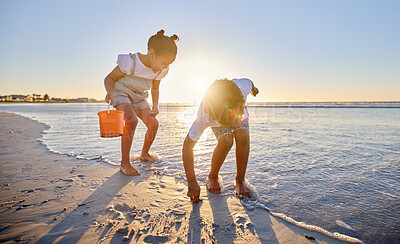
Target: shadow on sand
<point x="223" y="229"/>
<point x="71" y="229"/>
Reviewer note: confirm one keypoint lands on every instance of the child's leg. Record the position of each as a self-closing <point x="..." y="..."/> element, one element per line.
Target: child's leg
<point x="225" y="143"/>
<point x="242" y="140"/>
<point x="152" y="126"/>
<point x="131" y="122"/>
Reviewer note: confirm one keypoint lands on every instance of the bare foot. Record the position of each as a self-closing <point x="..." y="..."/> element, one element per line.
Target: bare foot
<point x="214" y="184"/>
<point x="128" y="169"/>
<point x="147" y="157"/>
<point x="242" y="189"/>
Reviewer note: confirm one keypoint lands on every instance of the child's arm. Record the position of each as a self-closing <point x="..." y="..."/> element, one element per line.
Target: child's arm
<point x="188" y="163"/>
<point x="254" y="90"/>
<point x="109" y="81"/>
<point x="154" y="96"/>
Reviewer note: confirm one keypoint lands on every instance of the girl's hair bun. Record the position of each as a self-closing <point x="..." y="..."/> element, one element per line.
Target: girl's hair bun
<point x="174" y="37"/>
<point x="160" y="33"/>
<point x="162" y="44"/>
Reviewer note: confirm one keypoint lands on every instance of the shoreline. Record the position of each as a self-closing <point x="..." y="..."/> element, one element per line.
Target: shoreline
<point x="56" y="198"/>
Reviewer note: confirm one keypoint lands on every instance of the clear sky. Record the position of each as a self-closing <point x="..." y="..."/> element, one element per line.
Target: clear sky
<point x="309" y="50"/>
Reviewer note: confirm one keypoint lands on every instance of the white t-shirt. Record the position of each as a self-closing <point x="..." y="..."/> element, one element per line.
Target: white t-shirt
<point x="125" y="63"/>
<point x="203" y="119"/>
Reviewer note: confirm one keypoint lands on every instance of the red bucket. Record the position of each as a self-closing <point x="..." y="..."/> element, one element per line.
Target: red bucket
<point x="111" y="123"/>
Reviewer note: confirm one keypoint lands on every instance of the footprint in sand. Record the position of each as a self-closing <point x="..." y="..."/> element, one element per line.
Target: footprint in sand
<point x="154" y="204"/>
<point x="250" y="227"/>
<point x="156" y="239"/>
<point x="178" y="225"/>
<point x="241" y="220"/>
<point x="179" y="212"/>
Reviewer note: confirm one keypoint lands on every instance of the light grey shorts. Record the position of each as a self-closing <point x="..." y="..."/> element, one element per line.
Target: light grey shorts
<point x="118" y="99"/>
<point x="221" y="131"/>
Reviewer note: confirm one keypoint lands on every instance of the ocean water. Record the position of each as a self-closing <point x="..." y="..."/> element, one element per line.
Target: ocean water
<point x="336" y="166"/>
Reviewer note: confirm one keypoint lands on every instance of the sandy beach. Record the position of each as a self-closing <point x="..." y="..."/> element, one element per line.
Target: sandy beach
<point x="52" y="198"/>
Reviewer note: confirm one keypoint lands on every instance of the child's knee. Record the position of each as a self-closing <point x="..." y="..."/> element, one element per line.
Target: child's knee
<point x="129" y="115"/>
<point x="226" y="141"/>
<point x="242" y="139"/>
<point x="131" y="119"/>
<point x="243" y="143"/>
<point x="153" y="124"/>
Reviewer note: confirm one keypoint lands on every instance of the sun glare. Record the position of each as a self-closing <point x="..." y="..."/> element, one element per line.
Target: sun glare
<point x="201" y="84"/>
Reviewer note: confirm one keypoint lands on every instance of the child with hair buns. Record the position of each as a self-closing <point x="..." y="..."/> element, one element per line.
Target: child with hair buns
<point x="223" y="109"/>
<point x="127" y="89"/>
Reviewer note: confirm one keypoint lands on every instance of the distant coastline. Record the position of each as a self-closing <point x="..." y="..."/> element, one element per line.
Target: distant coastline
<point x="67" y="101"/>
<point x="37" y="98"/>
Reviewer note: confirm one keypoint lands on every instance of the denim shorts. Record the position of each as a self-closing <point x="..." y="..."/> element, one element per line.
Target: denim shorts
<point x="221" y="131"/>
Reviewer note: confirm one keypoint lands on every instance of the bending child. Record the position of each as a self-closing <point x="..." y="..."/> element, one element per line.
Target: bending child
<point x="127" y="88"/>
<point x="223" y="109"/>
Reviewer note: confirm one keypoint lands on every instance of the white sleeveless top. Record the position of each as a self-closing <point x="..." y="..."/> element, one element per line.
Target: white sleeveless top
<point x="138" y="78"/>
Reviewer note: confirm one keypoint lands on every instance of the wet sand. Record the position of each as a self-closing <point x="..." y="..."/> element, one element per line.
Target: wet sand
<point x="47" y="197"/>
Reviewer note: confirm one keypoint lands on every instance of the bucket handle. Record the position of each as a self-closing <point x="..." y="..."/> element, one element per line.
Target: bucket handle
<point x="109" y="104"/>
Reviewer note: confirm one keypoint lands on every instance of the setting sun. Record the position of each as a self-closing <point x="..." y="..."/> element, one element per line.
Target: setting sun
<point x="201" y="84"/>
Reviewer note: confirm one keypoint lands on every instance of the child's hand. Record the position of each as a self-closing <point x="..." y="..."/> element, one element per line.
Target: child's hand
<point x="154" y="112"/>
<point x="110" y="97"/>
<point x="254" y="91"/>
<point x="193" y="191"/>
